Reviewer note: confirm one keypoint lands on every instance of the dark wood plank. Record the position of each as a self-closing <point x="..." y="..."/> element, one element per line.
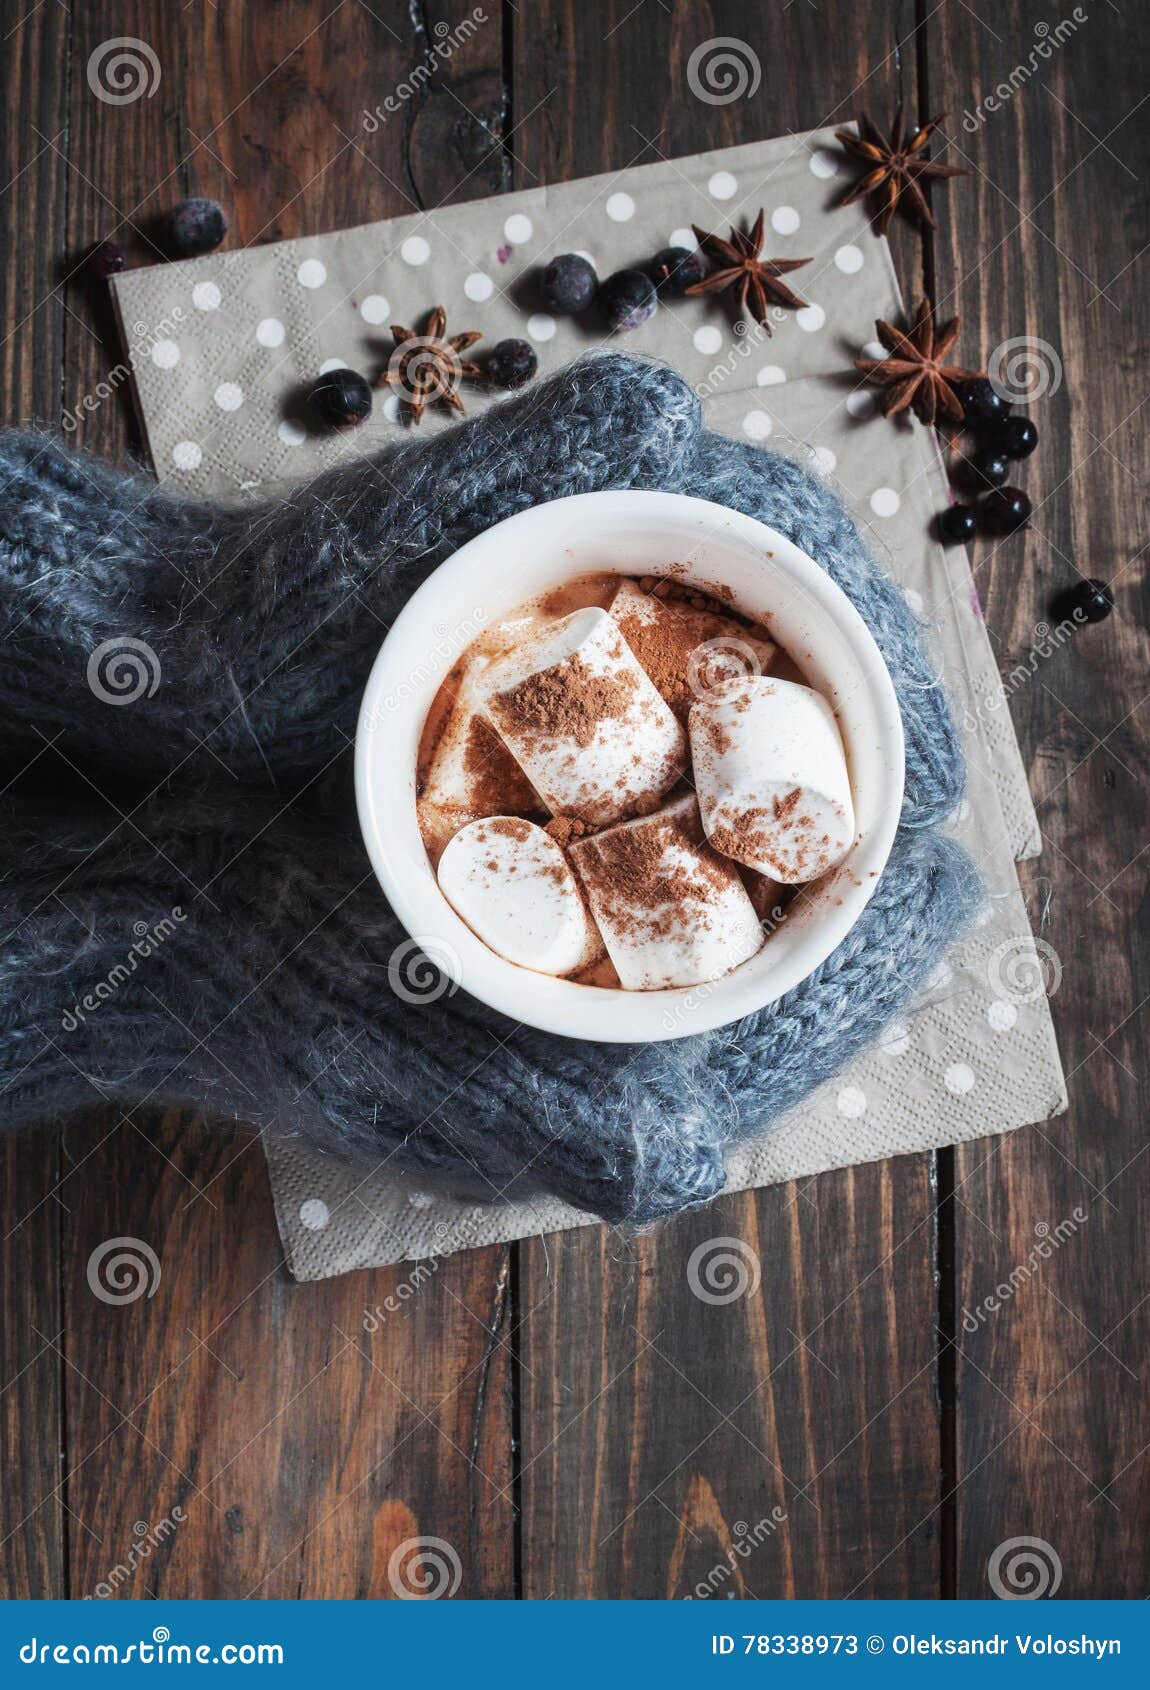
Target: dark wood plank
<point x="33" y="58"/>
<point x="1053" y="1423"/>
<point x="303" y="1448"/>
<point x="782" y="1444"/>
<point x="303" y="1432"/>
<point x="658" y="1432"/>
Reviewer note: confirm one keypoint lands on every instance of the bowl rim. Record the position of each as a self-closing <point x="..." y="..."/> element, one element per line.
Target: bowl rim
<point x="558" y="1006"/>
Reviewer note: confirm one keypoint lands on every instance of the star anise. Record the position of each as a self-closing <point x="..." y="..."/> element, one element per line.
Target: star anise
<point x="427" y="366"/>
<point x="914" y="373"/>
<point x="895" y="168"/>
<point x="740" y="270"/>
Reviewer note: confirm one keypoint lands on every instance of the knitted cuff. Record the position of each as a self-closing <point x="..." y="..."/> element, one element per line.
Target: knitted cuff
<point x="246" y="635"/>
<point x="246" y="965"/>
<point x="249" y="966"/>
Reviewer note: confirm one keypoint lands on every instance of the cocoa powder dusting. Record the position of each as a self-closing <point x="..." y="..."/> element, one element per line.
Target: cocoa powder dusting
<point x="665" y="643"/>
<point x="566" y="702"/>
<point x="509" y="827"/>
<point x="563" y="829"/>
<point x="640" y="881"/>
<point x="767" y="836"/>
<point x="496" y="781"/>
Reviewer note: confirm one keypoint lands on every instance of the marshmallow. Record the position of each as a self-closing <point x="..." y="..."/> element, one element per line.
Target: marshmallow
<point x="686" y="650"/>
<point x="584" y="722"/>
<point x="470" y="772"/>
<point x="470" y="760"/>
<point x="772" y="778"/>
<point x="513" y="887"/>
<point x="672" y="912"/>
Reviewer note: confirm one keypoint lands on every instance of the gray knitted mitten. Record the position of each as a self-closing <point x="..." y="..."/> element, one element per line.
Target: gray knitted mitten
<point x="228" y="947"/>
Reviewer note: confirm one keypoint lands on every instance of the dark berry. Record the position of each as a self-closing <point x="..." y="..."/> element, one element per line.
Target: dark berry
<point x="569" y="284"/>
<point x="987" y="469"/>
<point x="340" y="399"/>
<point x="674" y="270"/>
<point x="196" y="226"/>
<point x="512" y="363"/>
<point x="1004" y="510"/>
<point x="106" y="259"/>
<point x="1085" y="601"/>
<point x="981" y="403"/>
<point x="957" y="524"/>
<point x="1015" y="437"/>
<point x="627" y="300"/>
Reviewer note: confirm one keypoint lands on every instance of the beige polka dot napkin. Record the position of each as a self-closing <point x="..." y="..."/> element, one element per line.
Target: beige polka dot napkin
<point x="222" y="348"/>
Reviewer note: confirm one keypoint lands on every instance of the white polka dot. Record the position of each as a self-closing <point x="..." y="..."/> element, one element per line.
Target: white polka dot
<point x="270" y="332"/>
<point x="390" y="407"/>
<point x="722" y="186"/>
<point x="587" y="257"/>
<point x="186" y="454"/>
<point x="620" y="208"/>
<point x="682" y="237"/>
<point x="206" y="296"/>
<point x="333" y="364"/>
<point x="851" y="1102"/>
<point x="896" y="1040"/>
<point x="913" y="599"/>
<point x="541" y="326"/>
<point x="823" y="460"/>
<point x="375" y="309"/>
<point x="884" y="501"/>
<point x="314" y="1213"/>
<point x="518" y="228"/>
<point x="415" y="250"/>
<point x="757" y="425"/>
<point x="311" y="273"/>
<point x="849" y="259"/>
<point x="229" y="396"/>
<point x="478" y="287"/>
<point x="823" y="163"/>
<point x="811" y="318"/>
<point x="959" y="1078"/>
<point x="291" y="433"/>
<point x="874" y="349"/>
<point x="860" y="404"/>
<point x="785" y="220"/>
<point x="707" y="339"/>
<point x="165" y="354"/>
<point x="771" y="375"/>
<point x="1001" y="1015"/>
<point x="421" y="1199"/>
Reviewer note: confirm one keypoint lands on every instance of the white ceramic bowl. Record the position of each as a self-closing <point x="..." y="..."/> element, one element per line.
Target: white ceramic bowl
<point x="626" y="533"/>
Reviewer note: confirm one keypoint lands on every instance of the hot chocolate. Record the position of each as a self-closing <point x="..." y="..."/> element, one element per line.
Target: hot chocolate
<point x="557" y="785"/>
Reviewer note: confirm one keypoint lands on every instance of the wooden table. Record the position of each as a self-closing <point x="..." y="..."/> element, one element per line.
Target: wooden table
<point x="564" y="1413"/>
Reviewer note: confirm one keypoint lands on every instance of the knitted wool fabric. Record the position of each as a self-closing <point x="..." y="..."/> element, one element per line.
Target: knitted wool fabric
<point x="231" y="950"/>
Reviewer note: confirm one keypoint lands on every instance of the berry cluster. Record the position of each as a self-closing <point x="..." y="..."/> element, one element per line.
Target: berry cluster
<point x="1001" y="437"/>
<point x="628" y="298"/>
<point x="192" y="227"/>
<point x="343" y="398"/>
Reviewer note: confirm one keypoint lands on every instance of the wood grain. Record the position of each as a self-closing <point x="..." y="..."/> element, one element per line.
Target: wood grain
<point x="567" y="1414"/>
<point x="302" y="1448"/>
<point x="33" y="57"/>
<point x="304" y="1432"/>
<point x="656" y="1445"/>
<point x="1053" y="1424"/>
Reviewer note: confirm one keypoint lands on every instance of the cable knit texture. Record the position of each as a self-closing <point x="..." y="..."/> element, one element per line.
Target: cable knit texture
<point x="221" y="942"/>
